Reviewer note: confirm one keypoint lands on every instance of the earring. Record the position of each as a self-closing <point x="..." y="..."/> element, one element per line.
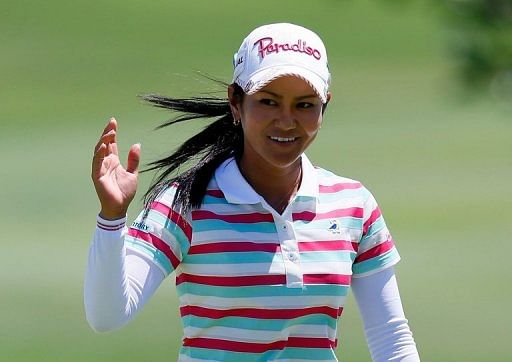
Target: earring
<point x="236" y="122"/>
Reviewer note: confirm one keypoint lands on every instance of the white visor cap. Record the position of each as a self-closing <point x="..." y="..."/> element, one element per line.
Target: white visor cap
<point x="275" y="50"/>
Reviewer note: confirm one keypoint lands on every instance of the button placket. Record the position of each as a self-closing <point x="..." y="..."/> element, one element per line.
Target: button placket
<point x="290" y="252"/>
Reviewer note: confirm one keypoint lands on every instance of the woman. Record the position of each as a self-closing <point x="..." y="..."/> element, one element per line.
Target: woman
<point x="265" y="246"/>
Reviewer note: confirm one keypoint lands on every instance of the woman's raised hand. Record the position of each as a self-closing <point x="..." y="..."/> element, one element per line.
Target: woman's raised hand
<point x="115" y="185"/>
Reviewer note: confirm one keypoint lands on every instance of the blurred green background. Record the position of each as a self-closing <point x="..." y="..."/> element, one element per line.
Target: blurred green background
<point x="437" y="157"/>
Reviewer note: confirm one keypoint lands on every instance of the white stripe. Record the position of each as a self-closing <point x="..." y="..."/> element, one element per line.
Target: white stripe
<point x="255" y="336"/>
<point x="281" y="302"/>
<point x="206" y="237"/>
<point x="376" y="239"/>
<point x="238" y="269"/>
<point x="275" y="267"/>
<point x="323" y="234"/>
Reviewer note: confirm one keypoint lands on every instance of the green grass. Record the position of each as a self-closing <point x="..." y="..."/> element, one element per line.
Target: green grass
<point x="438" y="164"/>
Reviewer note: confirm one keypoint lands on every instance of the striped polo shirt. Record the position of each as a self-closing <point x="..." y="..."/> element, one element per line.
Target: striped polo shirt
<point x="256" y="285"/>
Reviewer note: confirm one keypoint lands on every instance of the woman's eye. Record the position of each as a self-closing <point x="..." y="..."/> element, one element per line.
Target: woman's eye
<point x="305" y="105"/>
<point x="268" y="102"/>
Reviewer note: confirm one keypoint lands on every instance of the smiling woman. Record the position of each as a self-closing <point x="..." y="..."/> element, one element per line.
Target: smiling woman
<point x="265" y="246"/>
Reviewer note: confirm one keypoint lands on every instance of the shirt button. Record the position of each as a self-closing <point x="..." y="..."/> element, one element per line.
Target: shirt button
<point x="292" y="256"/>
<point x="284" y="226"/>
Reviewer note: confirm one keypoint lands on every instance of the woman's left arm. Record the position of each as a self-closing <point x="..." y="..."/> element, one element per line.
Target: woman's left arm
<point x="387" y="332"/>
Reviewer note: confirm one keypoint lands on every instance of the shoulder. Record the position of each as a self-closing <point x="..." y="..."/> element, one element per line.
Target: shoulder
<point x="331" y="183"/>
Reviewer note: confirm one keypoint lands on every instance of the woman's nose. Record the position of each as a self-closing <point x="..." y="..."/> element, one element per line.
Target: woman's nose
<point x="285" y="119"/>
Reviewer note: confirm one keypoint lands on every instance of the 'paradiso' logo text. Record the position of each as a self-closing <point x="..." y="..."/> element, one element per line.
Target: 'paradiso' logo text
<point x="267" y="46"/>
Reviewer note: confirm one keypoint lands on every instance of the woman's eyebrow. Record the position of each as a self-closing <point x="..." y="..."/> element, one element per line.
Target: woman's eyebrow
<point x="296" y="98"/>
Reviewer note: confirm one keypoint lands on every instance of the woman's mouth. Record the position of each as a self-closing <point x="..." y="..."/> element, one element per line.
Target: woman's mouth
<point x="283" y="139"/>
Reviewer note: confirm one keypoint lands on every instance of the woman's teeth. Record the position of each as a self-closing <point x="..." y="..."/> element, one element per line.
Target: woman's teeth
<point x="282" y="139"/>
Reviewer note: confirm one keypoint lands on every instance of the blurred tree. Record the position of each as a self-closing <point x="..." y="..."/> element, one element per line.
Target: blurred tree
<point x="482" y="42"/>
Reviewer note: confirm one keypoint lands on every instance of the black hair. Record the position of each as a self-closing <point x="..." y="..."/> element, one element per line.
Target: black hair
<point x="207" y="149"/>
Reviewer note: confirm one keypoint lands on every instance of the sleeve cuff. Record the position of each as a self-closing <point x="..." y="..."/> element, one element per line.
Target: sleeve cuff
<point x="110" y="225"/>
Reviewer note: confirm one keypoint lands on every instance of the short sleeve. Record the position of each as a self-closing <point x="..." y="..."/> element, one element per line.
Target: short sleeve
<point x="161" y="233"/>
<point x="376" y="250"/>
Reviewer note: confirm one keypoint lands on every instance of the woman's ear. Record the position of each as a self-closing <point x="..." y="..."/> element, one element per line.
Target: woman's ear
<point x="324" y="106"/>
<point x="234" y="103"/>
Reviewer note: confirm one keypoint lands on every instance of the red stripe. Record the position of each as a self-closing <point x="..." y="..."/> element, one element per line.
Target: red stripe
<point x="375" y="251"/>
<point x="258" y="313"/>
<point x="328" y="245"/>
<point x="311" y="342"/>
<point x="253" y="280"/>
<point x="229" y="247"/>
<point x="110" y="228"/>
<point x="222" y="247"/>
<point x="236" y="218"/>
<point x="242" y="281"/>
<point x="157" y="243"/>
<point x="373" y="217"/>
<point x="309" y="216"/>
<point x="339" y="279"/>
<point x="174" y="217"/>
<point x="215" y="193"/>
<point x="235" y="346"/>
<point x="340" y="187"/>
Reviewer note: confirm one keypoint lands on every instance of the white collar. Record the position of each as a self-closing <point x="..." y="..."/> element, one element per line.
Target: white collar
<point x="237" y="190"/>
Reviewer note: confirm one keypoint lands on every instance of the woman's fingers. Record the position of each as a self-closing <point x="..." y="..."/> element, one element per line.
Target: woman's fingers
<point x="107" y="138"/>
<point x="133" y="159"/>
<point x="109" y="133"/>
<point x="97" y="160"/>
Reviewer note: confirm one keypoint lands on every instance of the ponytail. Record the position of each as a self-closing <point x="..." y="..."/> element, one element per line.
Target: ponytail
<point x="208" y="148"/>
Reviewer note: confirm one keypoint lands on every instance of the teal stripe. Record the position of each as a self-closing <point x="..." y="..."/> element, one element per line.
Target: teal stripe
<point x="377" y="226"/>
<point x="348" y="222"/>
<point x="171" y="227"/>
<point x="260" y="227"/>
<point x="210" y="200"/>
<point x="261" y="291"/>
<point x="148" y="249"/>
<point x="314" y="354"/>
<point x="260" y="325"/>
<point x="234" y="258"/>
<point x="378" y="262"/>
<point x="304" y="199"/>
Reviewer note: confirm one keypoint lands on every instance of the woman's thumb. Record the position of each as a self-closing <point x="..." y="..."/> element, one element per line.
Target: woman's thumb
<point x="133" y="159"/>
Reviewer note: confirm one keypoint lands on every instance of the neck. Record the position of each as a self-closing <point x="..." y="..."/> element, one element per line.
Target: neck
<point x="278" y="186"/>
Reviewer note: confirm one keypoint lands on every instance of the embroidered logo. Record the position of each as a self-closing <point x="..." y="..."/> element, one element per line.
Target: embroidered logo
<point x="140" y="226"/>
<point x="334" y="226"/>
<point x="267" y="46"/>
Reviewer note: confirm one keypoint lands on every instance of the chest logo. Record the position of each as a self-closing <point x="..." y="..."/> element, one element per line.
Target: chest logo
<point x="334" y="226"/>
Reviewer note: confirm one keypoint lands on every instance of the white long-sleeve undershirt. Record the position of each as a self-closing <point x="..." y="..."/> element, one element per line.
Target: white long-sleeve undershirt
<point x="119" y="281"/>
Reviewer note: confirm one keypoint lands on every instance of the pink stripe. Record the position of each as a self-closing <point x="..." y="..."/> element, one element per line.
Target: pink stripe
<point x="328" y="245"/>
<point x="340" y="187"/>
<point x="309" y="216"/>
<point x="215" y="193"/>
<point x="339" y="279"/>
<point x="270" y="279"/>
<point x="221" y="247"/>
<point x="375" y="251"/>
<point x="236" y="218"/>
<point x="258" y="313"/>
<point x="373" y="217"/>
<point x="174" y="217"/>
<point x="235" y="346"/>
<point x="157" y="243"/>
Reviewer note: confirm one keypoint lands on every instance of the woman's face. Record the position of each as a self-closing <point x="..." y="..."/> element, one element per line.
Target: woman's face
<point x="279" y="122"/>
